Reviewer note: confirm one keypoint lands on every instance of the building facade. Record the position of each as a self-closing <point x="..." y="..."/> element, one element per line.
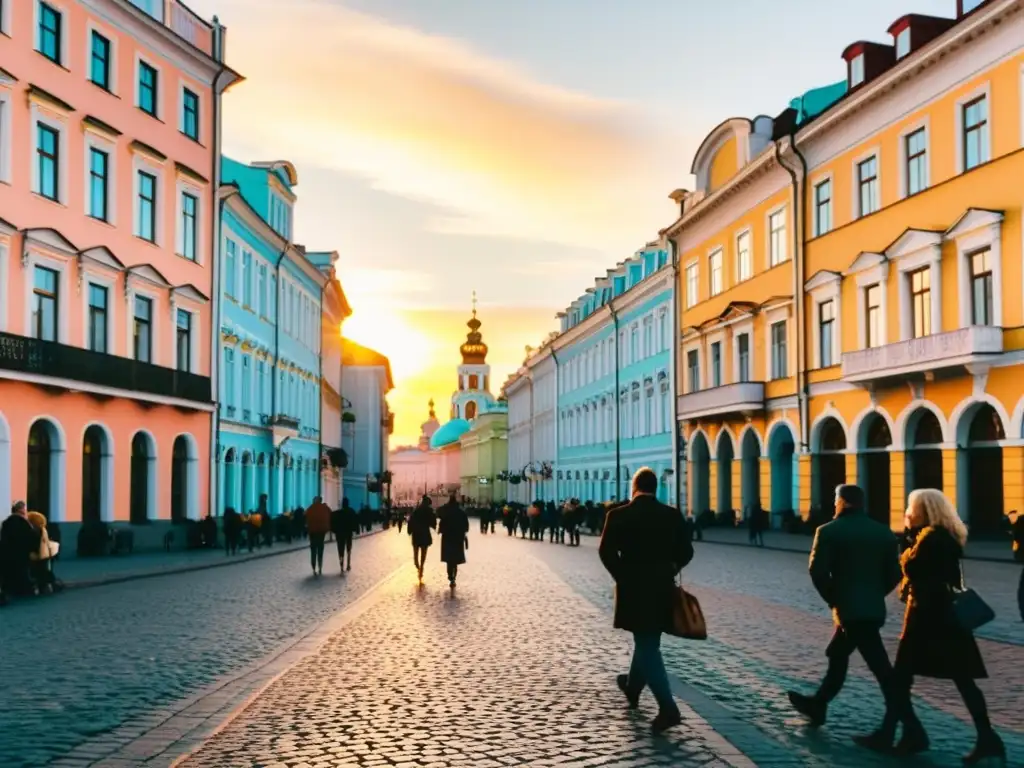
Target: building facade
<point x="367" y="423"/>
<point x="532" y="396"/>
<point x="270" y="345"/>
<point x="483" y="459"/>
<point x="899" y="287"/>
<point x="412" y="468"/>
<point x="108" y="164"/>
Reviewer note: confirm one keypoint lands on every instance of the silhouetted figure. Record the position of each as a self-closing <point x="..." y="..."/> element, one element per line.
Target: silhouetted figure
<point x="232" y="531"/>
<point x="344" y="525"/>
<point x="453" y="525"/>
<point x="421" y="523"/>
<point x="318" y="525"/>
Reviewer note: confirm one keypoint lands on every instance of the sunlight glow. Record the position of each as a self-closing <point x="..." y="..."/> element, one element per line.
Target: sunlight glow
<point x="388" y="332"/>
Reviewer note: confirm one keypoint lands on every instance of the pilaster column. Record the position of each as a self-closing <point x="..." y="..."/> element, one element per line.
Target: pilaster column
<point x="766" y="483"/>
<point x="805" y="480"/>
<point x="1013" y="478"/>
<point x="713" y="482"/>
<point x="897" y="489"/>
<point x="949" y="474"/>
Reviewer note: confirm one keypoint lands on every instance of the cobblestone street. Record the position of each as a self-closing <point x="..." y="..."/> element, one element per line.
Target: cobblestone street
<point x="517" y="669"/>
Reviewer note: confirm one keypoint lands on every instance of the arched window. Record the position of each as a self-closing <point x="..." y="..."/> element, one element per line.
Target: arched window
<point x="474" y="381"/>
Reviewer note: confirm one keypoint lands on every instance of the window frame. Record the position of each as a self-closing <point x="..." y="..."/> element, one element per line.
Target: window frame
<point x="60" y="13"/>
<point x="901" y="43"/>
<point x="973" y="277"/>
<point x="825" y="348"/>
<point x="55" y="296"/>
<point x="142" y="175"/>
<point x="142" y="65"/>
<point x="715" y="367"/>
<point x="93" y="35"/>
<point x="56" y="159"/>
<point x="693" y="382"/>
<point x="857" y="73"/>
<point x="924" y="294"/>
<point x="774" y="373"/>
<point x="747" y="236"/>
<point x="859" y="181"/>
<point x="868" y="325"/>
<point x="739" y="375"/>
<point x="819" y="229"/>
<point x="190" y="361"/>
<point x="90" y="313"/>
<point x="150" y="323"/>
<point x="186" y="92"/>
<point x="184" y="242"/>
<point x="783" y="232"/>
<point x="91" y="150"/>
<point x="983" y="129"/>
<point x="691" y="274"/>
<point x="906" y="158"/>
<point x="716" y="264"/>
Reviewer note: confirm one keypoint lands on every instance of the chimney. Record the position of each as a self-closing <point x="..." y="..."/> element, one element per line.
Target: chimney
<point x="914" y="31"/>
<point x="865" y="61"/>
<point x="679" y="198"/>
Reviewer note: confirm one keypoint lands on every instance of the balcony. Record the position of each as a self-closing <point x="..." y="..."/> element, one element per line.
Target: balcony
<point x="61" y="361"/>
<point x="926" y="355"/>
<point x="745" y="397"/>
<point x="284" y="427"/>
<point x="181" y="20"/>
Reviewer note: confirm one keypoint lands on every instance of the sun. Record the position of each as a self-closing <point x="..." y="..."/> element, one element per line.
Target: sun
<point x="392" y="335"/>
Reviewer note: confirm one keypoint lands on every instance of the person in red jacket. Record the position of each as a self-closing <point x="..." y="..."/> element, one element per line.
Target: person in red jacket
<point x="318" y="524"/>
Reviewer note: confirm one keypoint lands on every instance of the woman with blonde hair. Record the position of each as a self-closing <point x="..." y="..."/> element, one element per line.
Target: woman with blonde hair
<point x="933" y="643"/>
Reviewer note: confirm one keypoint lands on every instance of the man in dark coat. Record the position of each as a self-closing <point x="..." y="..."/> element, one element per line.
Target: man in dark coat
<point x="854" y="564"/>
<point x="644" y="545"/>
<point x="1017" y="530"/>
<point x="18" y="540"/>
<point x="453" y="525"/>
<point x="344" y="526"/>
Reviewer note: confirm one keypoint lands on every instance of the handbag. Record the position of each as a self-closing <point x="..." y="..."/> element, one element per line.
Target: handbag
<point x="969" y="610"/>
<point x="687" y="616"/>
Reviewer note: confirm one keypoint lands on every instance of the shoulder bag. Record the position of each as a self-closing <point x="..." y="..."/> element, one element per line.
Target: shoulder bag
<point x="687" y="615"/>
<point x="969" y="610"/>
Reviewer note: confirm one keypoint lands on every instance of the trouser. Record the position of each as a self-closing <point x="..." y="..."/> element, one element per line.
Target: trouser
<point x="453" y="571"/>
<point x="864" y="637"/>
<point x="492" y="526"/>
<point x="648" y="669"/>
<point x="316" y="550"/>
<point x="231" y="543"/>
<point x="901" y="710"/>
<point x="344" y="545"/>
<point x="419" y="557"/>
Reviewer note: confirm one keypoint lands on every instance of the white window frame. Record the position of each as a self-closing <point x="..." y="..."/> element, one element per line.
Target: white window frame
<point x="65" y="28"/>
<point x="182" y="86"/>
<point x="875" y="153"/>
<point x="986" y="233"/>
<point x="138" y="287"/>
<point x="931" y="258"/>
<point x="718" y="253"/>
<point x="864" y="279"/>
<point x="825" y="178"/>
<point x="144" y="163"/>
<point x="902" y="39"/>
<point x="160" y="85"/>
<point x="5" y="132"/>
<point x="985" y="89"/>
<point x="183" y="187"/>
<point x="5" y="19"/>
<point x="773" y="316"/>
<point x="698" y="347"/>
<point x="904" y="180"/>
<point x="693" y="299"/>
<point x="94" y="140"/>
<point x="748" y="234"/>
<point x="716" y="338"/>
<point x="90" y="27"/>
<point x="857" y="70"/>
<point x="38" y="116"/>
<point x="193" y="346"/>
<point x="831" y="291"/>
<point x="109" y="282"/>
<point x="60" y="266"/>
<point x="747" y="329"/>
<point x="769" y="215"/>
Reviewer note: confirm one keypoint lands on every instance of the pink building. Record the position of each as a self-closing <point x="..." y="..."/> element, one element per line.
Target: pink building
<point x="109" y="136"/>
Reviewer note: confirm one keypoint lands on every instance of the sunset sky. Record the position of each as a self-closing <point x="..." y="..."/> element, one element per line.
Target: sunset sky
<point x="513" y="147"/>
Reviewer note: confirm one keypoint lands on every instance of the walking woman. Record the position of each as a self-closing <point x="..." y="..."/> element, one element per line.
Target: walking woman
<point x="933" y="643"/>
<point x="421" y="522"/>
<point x="453" y="525"/>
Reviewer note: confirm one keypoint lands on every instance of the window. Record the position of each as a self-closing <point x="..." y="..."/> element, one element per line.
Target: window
<point x="261" y="290"/>
<point x="99" y="192"/>
<point x="183" y="337"/>
<point x="272" y="297"/>
<point x="48" y="159"/>
<point x="634" y="344"/>
<point x="247" y="279"/>
<point x="189" y="233"/>
<point x="715" y="265"/>
<point x="190" y="114"/>
<point x="826" y="330"/>
<point x="97" y="318"/>
<point x="823" y="207"/>
<point x="691" y="285"/>
<point x="867" y="185"/>
<point x="45" y="298"/>
<point x="229" y="378"/>
<point x="148" y="88"/>
<point x="693" y="370"/>
<point x="873" y="328"/>
<point x="779" y="358"/>
<point x="648" y="337"/>
<point x="777" y="238"/>
<point x="916" y="149"/>
<point x="143" y="329"/>
<point x="743" y="357"/>
<point x="665" y="339"/>
<point x="975" y="139"/>
<point x="50" y="32"/>
<point x="981" y="287"/>
<point x="903" y="43"/>
<point x="921" y="301"/>
<point x="147" y="207"/>
<point x="716" y="364"/>
<point x="261" y="386"/>
<point x="744" y="259"/>
<point x="229" y="268"/>
<point x="246" y="382"/>
<point x="857" y="70"/>
<point x="99" y="64"/>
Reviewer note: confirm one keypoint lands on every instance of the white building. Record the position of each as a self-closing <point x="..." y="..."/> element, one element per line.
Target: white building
<point x="532" y="395"/>
<point x="366" y="379"/>
<point x="412" y="470"/>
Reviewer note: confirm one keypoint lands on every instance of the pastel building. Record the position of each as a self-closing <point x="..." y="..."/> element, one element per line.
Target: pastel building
<point x="867" y="330"/>
<point x="532" y="396"/>
<point x="270" y="341"/>
<point x="367" y="423"/>
<point x="109" y="140"/>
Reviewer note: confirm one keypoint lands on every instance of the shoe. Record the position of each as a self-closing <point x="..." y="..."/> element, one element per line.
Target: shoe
<point x="810" y="707"/>
<point x="666" y="720"/>
<point x="989" y="747"/>
<point x="632" y="698"/>
<point x="911" y="743"/>
<point x="877" y="742"/>
<point x="451" y="583"/>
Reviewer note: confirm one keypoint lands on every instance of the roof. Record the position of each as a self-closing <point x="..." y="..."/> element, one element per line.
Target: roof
<point x="363" y="357"/>
<point x="449" y="433"/>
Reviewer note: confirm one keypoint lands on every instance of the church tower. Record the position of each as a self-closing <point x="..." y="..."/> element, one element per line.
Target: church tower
<point x="428" y="428"/>
<point x="473" y="395"/>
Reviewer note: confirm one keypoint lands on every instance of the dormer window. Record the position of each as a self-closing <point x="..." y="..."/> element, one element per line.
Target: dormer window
<point x="903" y="43"/>
<point x="857" y="70"/>
<point x="281" y="216"/>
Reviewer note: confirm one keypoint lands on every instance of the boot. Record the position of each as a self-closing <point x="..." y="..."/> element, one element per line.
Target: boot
<point x="989" y="747"/>
<point x="814" y="709"/>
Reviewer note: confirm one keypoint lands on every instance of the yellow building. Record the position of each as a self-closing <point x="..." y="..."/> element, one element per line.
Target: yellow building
<point x="883" y="343"/>
<point x="483" y="457"/>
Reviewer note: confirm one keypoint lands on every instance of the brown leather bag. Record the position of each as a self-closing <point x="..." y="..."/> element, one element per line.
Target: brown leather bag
<point x="687" y="616"/>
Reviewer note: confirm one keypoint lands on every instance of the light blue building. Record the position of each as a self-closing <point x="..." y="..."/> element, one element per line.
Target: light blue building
<point x="615" y="386"/>
<point x="270" y="336"/>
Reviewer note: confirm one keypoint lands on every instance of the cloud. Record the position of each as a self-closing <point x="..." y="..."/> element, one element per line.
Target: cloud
<point x="432" y="119"/>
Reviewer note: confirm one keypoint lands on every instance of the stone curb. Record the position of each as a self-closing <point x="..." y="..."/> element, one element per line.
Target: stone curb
<point x="134" y="575"/>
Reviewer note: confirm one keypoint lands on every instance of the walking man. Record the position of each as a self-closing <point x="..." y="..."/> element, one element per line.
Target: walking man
<point x="644" y="545"/>
<point x="344" y="524"/>
<point x="453" y="525"/>
<point x="854" y="564"/>
<point x="318" y="525"/>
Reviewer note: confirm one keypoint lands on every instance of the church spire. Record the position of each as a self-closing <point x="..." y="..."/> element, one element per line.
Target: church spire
<point x="474" y="351"/>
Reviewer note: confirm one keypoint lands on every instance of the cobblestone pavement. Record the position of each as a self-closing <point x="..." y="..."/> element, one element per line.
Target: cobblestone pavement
<point x="515" y="669"/>
<point x="77" y="666"/>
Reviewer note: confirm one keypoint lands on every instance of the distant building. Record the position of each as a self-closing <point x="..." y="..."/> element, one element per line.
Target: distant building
<point x="367" y="422"/>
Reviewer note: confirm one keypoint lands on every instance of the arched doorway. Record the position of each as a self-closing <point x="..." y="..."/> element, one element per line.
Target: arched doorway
<point x="828" y="464"/>
<point x="143" y="479"/>
<point x="923" y="451"/>
<point x="724" y="456"/>
<point x="750" y="472"/>
<point x="781" y="450"/>
<point x="248" y="496"/>
<point x="470" y="410"/>
<point x="700" y="462"/>
<point x="183" y="484"/>
<point x="45" y="470"/>
<point x="873" y="473"/>
<point x="229" y="482"/>
<point x="95" y="458"/>
<point x="980" y="469"/>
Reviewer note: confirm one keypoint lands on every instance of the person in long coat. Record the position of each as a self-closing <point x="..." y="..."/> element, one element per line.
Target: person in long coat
<point x="18" y="540"/>
<point x="644" y="545"/>
<point x="421" y="522"/>
<point x="453" y="525"/>
<point x="933" y="643"/>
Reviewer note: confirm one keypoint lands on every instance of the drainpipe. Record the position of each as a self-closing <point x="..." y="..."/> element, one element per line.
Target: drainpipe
<point x="678" y="446"/>
<point x="320" y="402"/>
<point x="558" y="422"/>
<point x="618" y="414"/>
